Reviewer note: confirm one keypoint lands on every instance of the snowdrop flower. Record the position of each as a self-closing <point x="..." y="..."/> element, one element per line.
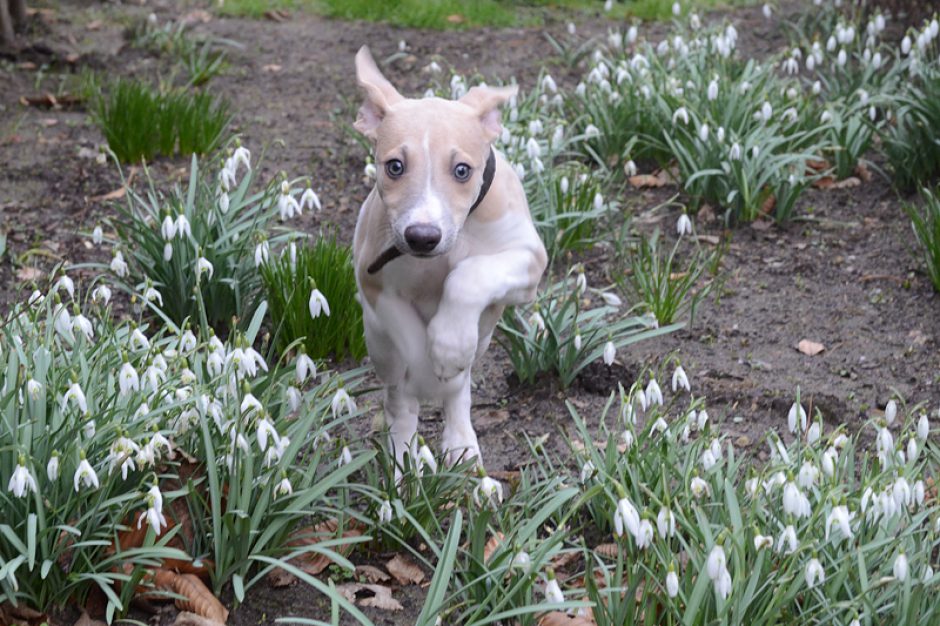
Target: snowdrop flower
<point x="345" y="457"/>
<point x="424" y="458"/>
<point x="128" y="380"/>
<point x="598" y="201"/>
<point x="204" y="266"/>
<point x="720" y="134"/>
<point x="723" y="584"/>
<point x="814" y="433"/>
<point x="796" y="418"/>
<point x="703" y="133"/>
<point x="841" y="58"/>
<point x="241" y="156"/>
<point x="249" y="405"/>
<point x="97" y="235"/>
<point x="283" y="488"/>
<point x="791" y="65"/>
<point x="318" y="304"/>
<point x="654" y="394"/>
<point x="154" y="514"/>
<point x="644" y="535"/>
<point x="912" y="449"/>
<point x="168" y="228"/>
<point x="814" y="573"/>
<point x="767" y="11"/>
<point x="716" y="562"/>
<point x="680" y="380"/>
<point x="369" y="169"/>
<point x="83" y="325"/>
<point x="119" y="265"/>
<point x="33" y="389"/>
<point x="85" y="474"/>
<point x="630" y="168"/>
<point x="891" y="412"/>
<point x="829" y="461"/>
<point x="262" y="253"/>
<point x="841" y="518"/>
<point x="609" y="353"/>
<point x="672" y="582"/>
<point x="341" y="401"/>
<point x="385" y="512"/>
<point x="632" y="34"/>
<point x="66" y="283"/>
<point x="735" y="152"/>
<point x="923" y="427"/>
<point x="666" y="523"/>
<point x="75" y="394"/>
<point x="553" y="594"/>
<point x="787" y="542"/>
<point x="488" y="492"/>
<point x="294" y="398"/>
<point x="906" y="45"/>
<point x="712" y="90"/>
<point x="708" y="460"/>
<point x="121" y="455"/>
<point x="762" y="542"/>
<point x="310" y="200"/>
<point x="287" y="205"/>
<point x="265" y="429"/>
<point x="626" y="517"/>
<point x="766" y="111"/>
<point x="808" y="475"/>
<point x="628" y="439"/>
<point x="304" y="367"/>
<point x="701" y="419"/>
<point x="588" y="471"/>
<point x="681" y="114"/>
<point x="901" y="492"/>
<point x="52" y="467"/>
<point x="884" y="443"/>
<point x="699" y="487"/>
<point x="591" y="131"/>
<point x="659" y="426"/>
<point x="21" y="482"/>
<point x="611" y="299"/>
<point x="795" y="502"/>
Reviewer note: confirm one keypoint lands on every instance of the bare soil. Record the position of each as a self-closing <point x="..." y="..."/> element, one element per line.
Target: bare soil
<point x="844" y="274"/>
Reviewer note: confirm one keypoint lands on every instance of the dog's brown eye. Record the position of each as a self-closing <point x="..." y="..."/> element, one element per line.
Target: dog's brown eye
<point x="394" y="168"/>
<point x="462" y="172"/>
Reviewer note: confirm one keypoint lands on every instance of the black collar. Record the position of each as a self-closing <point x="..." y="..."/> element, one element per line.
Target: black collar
<point x="489" y="171"/>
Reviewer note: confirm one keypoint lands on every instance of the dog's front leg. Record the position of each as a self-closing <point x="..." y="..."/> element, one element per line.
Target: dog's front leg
<point x="459" y="441"/>
<point x="401" y="417"/>
<point x="477" y="282"/>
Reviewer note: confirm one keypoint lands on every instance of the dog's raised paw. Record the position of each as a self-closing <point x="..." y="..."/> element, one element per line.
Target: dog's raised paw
<point x="451" y="346"/>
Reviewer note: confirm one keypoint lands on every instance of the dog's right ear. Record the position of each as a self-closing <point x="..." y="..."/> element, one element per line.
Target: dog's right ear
<point x="379" y="94"/>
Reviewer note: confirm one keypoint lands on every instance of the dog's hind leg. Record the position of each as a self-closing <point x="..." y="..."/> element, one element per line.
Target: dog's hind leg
<point x="401" y="417"/>
<point x="459" y="440"/>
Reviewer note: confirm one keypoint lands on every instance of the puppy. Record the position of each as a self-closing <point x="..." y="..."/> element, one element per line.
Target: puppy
<point x="443" y="243"/>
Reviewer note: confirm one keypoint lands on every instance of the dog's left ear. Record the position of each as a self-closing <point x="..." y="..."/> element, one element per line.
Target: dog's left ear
<point x="486" y="102"/>
<point x="379" y="94"/>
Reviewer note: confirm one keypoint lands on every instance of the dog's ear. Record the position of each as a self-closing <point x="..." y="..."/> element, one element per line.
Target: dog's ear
<point x="486" y="102"/>
<point x="379" y="94"/>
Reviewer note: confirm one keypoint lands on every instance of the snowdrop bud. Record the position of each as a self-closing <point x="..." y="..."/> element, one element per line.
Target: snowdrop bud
<point x="923" y="427"/>
<point x="906" y="45"/>
<point x="768" y="12"/>
<point x="831" y="43"/>
<point x="610" y="351"/>
<point x="816" y="88"/>
<point x="680" y="114"/>
<point x="629" y="168"/>
<point x="735" y="152"/>
<point x="900" y="567"/>
<point x="672" y="582"/>
<point x="720" y="134"/>
<point x="97" y="236"/>
<point x="814" y="573"/>
<point x="703" y="133"/>
<point x="796" y="418"/>
<point x="684" y="225"/>
<point x="891" y="412"/>
<point x="814" y="432"/>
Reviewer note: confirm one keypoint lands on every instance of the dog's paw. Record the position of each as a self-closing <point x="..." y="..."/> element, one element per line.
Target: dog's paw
<point x="460" y="449"/>
<point x="452" y="345"/>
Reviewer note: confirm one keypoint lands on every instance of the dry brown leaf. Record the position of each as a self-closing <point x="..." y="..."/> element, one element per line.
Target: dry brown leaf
<point x="810" y="348"/>
<point x="405" y="571"/>
<point x="117" y="194"/>
<point x="643" y="181"/>
<point x="372" y="574"/>
<point x="819" y="165"/>
<point x="828" y="182"/>
<point x="197" y="16"/>
<point x="21" y="615"/>
<point x="608" y="550"/>
<point x="198" y="598"/>
<point x="456" y="18"/>
<point x="563" y="560"/>
<point x="492" y="545"/>
<point x="314" y="563"/>
<point x="94" y="25"/>
<point x="84" y="620"/>
<point x="382" y="599"/>
<point x="768" y="205"/>
<point x="27" y="274"/>
<point x="557" y="618"/>
<point x="272" y="68"/>
<point x="191" y="619"/>
<point x="277" y="15"/>
<point x="862" y="171"/>
<point x="278" y="578"/>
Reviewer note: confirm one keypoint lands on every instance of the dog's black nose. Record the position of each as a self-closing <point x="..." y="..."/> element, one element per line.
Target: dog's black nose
<point x="422" y="238"/>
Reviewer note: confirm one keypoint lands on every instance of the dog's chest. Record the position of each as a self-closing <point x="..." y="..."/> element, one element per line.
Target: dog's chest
<point x="418" y="282"/>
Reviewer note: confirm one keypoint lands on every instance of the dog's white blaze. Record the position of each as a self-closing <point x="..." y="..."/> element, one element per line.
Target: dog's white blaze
<point x="429" y="209"/>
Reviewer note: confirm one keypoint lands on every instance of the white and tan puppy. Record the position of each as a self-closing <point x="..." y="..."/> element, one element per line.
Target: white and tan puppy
<point x="443" y="243"/>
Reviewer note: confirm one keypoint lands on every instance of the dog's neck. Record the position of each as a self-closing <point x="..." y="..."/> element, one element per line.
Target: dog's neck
<point x="489" y="171"/>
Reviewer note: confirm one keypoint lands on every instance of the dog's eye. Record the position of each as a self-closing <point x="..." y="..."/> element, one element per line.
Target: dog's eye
<point x="462" y="172"/>
<point x="394" y="168"/>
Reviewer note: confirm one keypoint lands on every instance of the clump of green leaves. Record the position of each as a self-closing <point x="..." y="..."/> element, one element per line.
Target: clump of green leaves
<point x="925" y="221"/>
<point x="325" y="265"/>
<point x="913" y="143"/>
<point x="141" y="123"/>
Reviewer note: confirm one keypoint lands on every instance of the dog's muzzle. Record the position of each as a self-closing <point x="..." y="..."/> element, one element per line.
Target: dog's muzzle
<point x="421" y="238"/>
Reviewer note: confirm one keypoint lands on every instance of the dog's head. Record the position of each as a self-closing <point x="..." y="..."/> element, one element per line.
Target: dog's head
<point x="430" y="156"/>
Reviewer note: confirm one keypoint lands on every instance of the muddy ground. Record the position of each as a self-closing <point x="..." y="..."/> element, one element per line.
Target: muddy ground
<point x="844" y="274"/>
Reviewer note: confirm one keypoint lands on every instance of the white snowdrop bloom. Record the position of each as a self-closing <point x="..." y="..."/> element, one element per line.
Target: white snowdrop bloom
<point x="680" y="380"/>
<point x="791" y="65"/>
<point x="598" y="201"/>
<point x="750" y="486"/>
<point x="204" y="266"/>
<point x="577" y="342"/>
<point x="900" y="568"/>
<point x="699" y="487"/>
<point x="611" y="299"/>
<point x="694" y="22"/>
<point x="672" y="582"/>
<point x="676" y="9"/>
<point x="810" y="62"/>
<point x="814" y="573"/>
<point x="906" y="44"/>
<point x="763" y="542"/>
<point x="318" y="304"/>
<point x="563" y="184"/>
<point x="796" y="418"/>
<point x="342" y="402"/>
<point x="891" y="412"/>
<point x="829" y="461"/>
<point x="183" y="228"/>
<point x="787" y="542"/>
<point x="840" y="441"/>
<point x="831" y="43"/>
<point x="923" y="427"/>
<point x="425" y="458"/>
<point x="52" y="467"/>
<point x="716" y="562"/>
<point x="262" y="253"/>
<point x="588" y="471"/>
<point x="808" y="475"/>
<point x="188" y="341"/>
<point x="816" y="88"/>
<point x="537" y="322"/>
<point x="128" y="380"/>
<point x="310" y="200"/>
<point x="666" y="523"/>
<point x="884" y="443"/>
<point x="33" y="389"/>
<point x="708" y="460"/>
<point x="701" y="419"/>
<point x="724" y="584"/>
<point x="121" y="454"/>
<point x="553" y="594"/>
<point x="632" y="34"/>
<point x="21" y="482"/>
<point x="275" y="452"/>
<point x="766" y="111"/>
<point x="629" y="168"/>
<point x="385" y="512"/>
<point x="294" y="398"/>
<point x="841" y="519"/>
<point x="548" y="84"/>
<point x="720" y="134"/>
<point x="287" y="205"/>
<point x="814" y="432"/>
<point x="119" y="265"/>
<point x="654" y="394"/>
<point x="536" y="127"/>
<point x="154" y="513"/>
<point x="841" y="58"/>
<point x="76" y="395"/>
<point x="826" y="116"/>
<point x="902" y="494"/>
<point x="912" y="450"/>
<point x="684" y="225"/>
<point x="85" y="474"/>
<point x="680" y="114"/>
<point x="168" y="228"/>
<point x="628" y="438"/>
<point x="83" y="325"/>
<point x="488" y="492"/>
<point x="795" y="501"/>
<point x="558" y="137"/>
<point x="626" y="517"/>
<point x="537" y="166"/>
<point x="610" y="351"/>
<point x="644" y="535"/>
<point x="345" y="457"/>
<point x="265" y="430"/>
<point x="712" y="90"/>
<point x="97" y="235"/>
<point x="283" y="488"/>
<point x="703" y="133"/>
<point x="249" y="405"/>
<point x="66" y="283"/>
<point x="304" y="367"/>
<point x="734" y="153"/>
<point x="767" y="11"/>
